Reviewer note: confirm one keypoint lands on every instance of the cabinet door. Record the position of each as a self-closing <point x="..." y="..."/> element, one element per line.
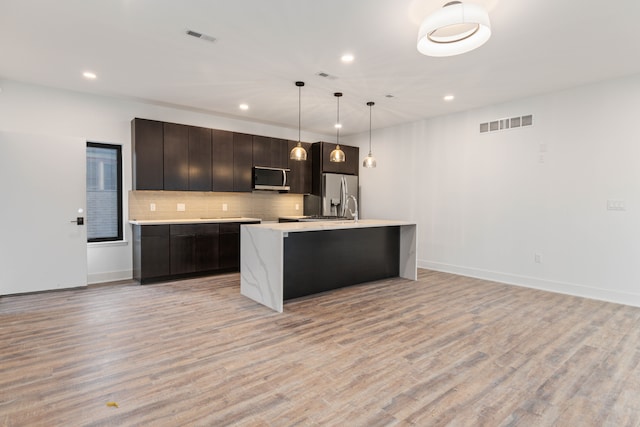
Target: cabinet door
<point x="262" y="151"/>
<point x="222" y="160"/>
<point x="230" y="245"/>
<point x="206" y="247"/>
<point x="182" y="248"/>
<point x="270" y="152"/>
<point x="151" y="252"/>
<point x="349" y="166"/>
<point x="199" y="159"/>
<point x="352" y="163"/>
<point x="300" y="176"/>
<point x="148" y="153"/>
<point x="176" y="157"/>
<point x="242" y="161"/>
<point x="279" y="153"/>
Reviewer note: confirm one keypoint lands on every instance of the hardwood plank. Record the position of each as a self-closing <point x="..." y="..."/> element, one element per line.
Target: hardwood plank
<point x="445" y="350"/>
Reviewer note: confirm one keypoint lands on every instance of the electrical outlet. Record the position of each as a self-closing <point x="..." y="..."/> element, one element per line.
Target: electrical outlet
<point x="181" y="207"/>
<point x="537" y="258"/>
<point x="225" y="207"/>
<point x="297" y="206"/>
<point x="152" y="207"/>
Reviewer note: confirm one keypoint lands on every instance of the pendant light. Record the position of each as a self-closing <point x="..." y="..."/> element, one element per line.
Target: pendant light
<point x="337" y="155"/>
<point x="369" y="161"/>
<point x="298" y="152"/>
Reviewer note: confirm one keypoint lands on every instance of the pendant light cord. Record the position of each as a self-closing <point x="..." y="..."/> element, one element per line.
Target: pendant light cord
<point x="299" y="109"/>
<point x="338" y="122"/>
<point x="370" y="108"/>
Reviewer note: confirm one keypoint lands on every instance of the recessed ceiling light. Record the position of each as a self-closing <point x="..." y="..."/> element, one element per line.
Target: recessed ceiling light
<point x="244" y="107"/>
<point x="337" y="126"/>
<point x="89" y="75"/>
<point x="347" y="57"/>
<point x="448" y="97"/>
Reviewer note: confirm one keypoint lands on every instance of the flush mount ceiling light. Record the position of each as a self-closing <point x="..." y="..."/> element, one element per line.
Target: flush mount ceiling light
<point x="298" y="152"/>
<point x="243" y="107"/>
<point x="369" y="161"/>
<point x="456" y="28"/>
<point x="89" y="75"/>
<point x="337" y="155"/>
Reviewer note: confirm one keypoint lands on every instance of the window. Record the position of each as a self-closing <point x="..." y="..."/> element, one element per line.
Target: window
<point x="104" y="192"/>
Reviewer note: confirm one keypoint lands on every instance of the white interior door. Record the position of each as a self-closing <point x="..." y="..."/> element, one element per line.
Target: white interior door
<point x="42" y="188"/>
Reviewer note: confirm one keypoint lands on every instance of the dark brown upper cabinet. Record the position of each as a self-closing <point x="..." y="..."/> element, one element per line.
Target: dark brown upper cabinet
<point x="147" y="143"/>
<point x="176" y="157"/>
<point x="222" y="160"/>
<point x="300" y="176"/>
<point x="270" y="152"/>
<point x="242" y="161"/>
<point x="200" y="165"/>
<point x="321" y="152"/>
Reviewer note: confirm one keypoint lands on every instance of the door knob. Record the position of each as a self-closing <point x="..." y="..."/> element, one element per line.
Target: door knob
<point x="79" y="220"/>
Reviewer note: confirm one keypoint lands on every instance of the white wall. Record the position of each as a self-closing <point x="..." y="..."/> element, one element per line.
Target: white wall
<point x="486" y="204"/>
<point x="35" y="109"/>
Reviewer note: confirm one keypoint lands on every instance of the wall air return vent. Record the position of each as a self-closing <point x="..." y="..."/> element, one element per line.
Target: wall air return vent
<point x="507" y="123"/>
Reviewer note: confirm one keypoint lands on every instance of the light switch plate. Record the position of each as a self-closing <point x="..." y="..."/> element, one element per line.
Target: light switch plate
<point x="225" y="207"/>
<point x="181" y="207"/>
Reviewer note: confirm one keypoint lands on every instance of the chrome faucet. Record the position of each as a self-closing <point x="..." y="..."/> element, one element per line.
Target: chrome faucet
<point x="355" y="202"/>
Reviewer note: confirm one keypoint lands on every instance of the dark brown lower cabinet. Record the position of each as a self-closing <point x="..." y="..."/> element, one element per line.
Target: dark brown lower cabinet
<point x="151" y="252"/>
<point x="206" y="251"/>
<point x="162" y="252"/>
<point x="182" y="249"/>
<point x="230" y="245"/>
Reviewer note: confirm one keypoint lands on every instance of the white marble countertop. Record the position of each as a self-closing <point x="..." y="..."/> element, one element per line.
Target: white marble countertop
<point x="191" y="221"/>
<point x="292" y="227"/>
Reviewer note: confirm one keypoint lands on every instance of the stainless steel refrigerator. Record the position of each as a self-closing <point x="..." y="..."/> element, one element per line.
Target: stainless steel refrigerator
<point x="335" y="190"/>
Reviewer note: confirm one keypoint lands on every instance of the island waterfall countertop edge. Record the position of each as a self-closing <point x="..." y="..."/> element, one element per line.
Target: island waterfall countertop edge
<point x="266" y="276"/>
<point x="292" y="227"/>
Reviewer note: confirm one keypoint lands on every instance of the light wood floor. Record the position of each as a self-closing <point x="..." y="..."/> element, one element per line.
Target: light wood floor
<point x="446" y="350"/>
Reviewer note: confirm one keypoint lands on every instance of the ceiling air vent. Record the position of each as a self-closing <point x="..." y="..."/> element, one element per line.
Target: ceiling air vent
<point x="325" y="75"/>
<point x="508" y="123"/>
<point x="200" y="36"/>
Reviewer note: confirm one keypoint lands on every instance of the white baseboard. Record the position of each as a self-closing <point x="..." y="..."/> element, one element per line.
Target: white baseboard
<point x="536" y="283"/>
<point x="111" y="276"/>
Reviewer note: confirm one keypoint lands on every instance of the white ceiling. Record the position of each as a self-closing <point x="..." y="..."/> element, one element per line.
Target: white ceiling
<point x="139" y="49"/>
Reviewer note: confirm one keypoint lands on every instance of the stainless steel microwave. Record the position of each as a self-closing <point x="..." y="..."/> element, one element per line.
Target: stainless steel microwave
<point x="270" y="178"/>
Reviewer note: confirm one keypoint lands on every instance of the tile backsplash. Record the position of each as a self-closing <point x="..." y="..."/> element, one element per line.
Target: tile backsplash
<point x="267" y="206"/>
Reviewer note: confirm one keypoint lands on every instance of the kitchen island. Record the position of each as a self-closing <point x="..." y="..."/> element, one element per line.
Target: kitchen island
<point x="293" y="259"/>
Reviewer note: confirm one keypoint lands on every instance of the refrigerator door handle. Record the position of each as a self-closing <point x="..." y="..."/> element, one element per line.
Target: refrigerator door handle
<point x="344" y="196"/>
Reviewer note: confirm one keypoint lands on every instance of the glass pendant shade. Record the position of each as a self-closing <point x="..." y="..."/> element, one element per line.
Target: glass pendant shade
<point x="369" y="161"/>
<point x="337" y="155"/>
<point x="298" y="152"/>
